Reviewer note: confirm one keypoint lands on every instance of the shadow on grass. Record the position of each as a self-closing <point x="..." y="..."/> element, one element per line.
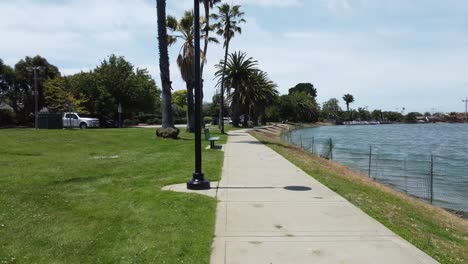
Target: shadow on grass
<point x="216" y="147"/>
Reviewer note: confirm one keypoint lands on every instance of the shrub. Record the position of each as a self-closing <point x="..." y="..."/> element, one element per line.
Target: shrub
<point x="207" y="120"/>
<point x="7" y="117"/>
<point x="170" y="132"/>
<point x="181" y="120"/>
<point x="154" y="121"/>
<point x="131" y="122"/>
<point x="146" y="117"/>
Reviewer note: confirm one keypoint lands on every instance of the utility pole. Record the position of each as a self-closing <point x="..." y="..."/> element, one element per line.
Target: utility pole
<point x="466" y="108"/>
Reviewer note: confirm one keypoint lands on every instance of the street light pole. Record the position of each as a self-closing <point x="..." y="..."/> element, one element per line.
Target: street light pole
<point x="198" y="181"/>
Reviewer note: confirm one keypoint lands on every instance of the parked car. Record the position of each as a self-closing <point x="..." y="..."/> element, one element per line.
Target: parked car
<point x="79" y="120"/>
<point x="227" y="120"/>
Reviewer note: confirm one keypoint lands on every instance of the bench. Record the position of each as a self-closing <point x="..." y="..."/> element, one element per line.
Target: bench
<point x="210" y="138"/>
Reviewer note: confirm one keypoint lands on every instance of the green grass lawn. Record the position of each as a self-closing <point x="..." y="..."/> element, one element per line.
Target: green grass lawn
<point x="93" y="196"/>
<point x="438" y="233"/>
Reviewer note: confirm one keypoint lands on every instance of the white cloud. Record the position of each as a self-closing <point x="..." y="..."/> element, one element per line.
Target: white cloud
<point x="188" y="4"/>
<point x="273" y="3"/>
<point x="384" y="65"/>
<point x="77" y="34"/>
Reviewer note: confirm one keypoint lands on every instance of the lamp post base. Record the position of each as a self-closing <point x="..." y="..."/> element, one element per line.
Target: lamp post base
<point x="198" y="183"/>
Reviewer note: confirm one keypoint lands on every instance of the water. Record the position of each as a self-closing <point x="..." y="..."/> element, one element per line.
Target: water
<point x="401" y="157"/>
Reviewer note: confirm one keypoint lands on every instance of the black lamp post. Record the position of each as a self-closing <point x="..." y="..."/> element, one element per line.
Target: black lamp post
<point x="198" y="181"/>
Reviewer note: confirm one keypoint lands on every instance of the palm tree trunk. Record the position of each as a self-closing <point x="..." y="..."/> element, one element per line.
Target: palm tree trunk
<point x="347" y="106"/>
<point x="221" y="114"/>
<point x="190" y="107"/>
<point x="246" y="116"/>
<point x="205" y="50"/>
<point x="207" y="31"/>
<point x="167" y="120"/>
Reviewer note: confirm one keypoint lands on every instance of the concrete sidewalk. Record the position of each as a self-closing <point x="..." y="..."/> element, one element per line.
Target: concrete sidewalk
<point x="270" y="211"/>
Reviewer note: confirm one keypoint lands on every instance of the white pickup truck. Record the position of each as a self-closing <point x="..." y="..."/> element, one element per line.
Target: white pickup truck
<point x="78" y="120"/>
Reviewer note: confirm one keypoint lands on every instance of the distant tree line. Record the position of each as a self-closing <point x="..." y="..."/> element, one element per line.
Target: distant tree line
<point x="97" y="92"/>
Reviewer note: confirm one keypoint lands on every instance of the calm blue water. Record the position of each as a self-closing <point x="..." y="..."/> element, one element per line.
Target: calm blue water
<point x="401" y="156"/>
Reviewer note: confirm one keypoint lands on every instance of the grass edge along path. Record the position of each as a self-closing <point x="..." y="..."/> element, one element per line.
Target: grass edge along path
<point x="440" y="234"/>
<point x="94" y="196"/>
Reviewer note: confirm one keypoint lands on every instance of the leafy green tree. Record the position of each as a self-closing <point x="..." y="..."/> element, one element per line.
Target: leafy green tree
<point x="331" y="109"/>
<point x="60" y="97"/>
<point x="179" y="98"/>
<point x="393" y="116"/>
<point x="17" y="85"/>
<point x="100" y="102"/>
<point x="348" y="98"/>
<point x="307" y="88"/>
<point x="116" y="81"/>
<point x="377" y="115"/>
<point x="228" y="19"/>
<point x="114" y="75"/>
<point x="7" y="82"/>
<point x="212" y="109"/>
<point x="145" y="95"/>
<point x="364" y="114"/>
<point x="168" y="119"/>
<point x="411" y="117"/>
<point x="298" y="107"/>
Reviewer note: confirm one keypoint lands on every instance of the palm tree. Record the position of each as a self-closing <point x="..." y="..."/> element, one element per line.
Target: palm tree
<point x="207" y="4"/>
<point x="167" y="120"/>
<point x="248" y="88"/>
<point x="235" y="74"/>
<point x="183" y="30"/>
<point x="264" y="94"/>
<point x="348" y="98"/>
<point x="228" y="19"/>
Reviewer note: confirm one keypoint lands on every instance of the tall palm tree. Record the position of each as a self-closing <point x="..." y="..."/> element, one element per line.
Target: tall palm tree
<point x="248" y="88"/>
<point x="235" y="74"/>
<point x="183" y="29"/>
<point x="264" y="94"/>
<point x="207" y="4"/>
<point x="167" y="120"/>
<point x="228" y="19"/>
<point x="348" y="98"/>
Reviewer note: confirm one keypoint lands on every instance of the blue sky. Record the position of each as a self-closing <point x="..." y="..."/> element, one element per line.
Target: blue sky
<point x="388" y="53"/>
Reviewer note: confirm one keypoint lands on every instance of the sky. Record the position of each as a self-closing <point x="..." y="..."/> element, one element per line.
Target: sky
<point x="390" y="54"/>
